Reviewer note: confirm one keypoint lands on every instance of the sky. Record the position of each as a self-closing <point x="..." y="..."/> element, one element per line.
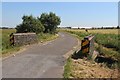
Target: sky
<point x="74" y="14"/>
<point x="59" y="0"/>
<point x="119" y="13"/>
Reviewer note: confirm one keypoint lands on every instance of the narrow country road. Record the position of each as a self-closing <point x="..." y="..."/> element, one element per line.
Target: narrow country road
<point x="40" y="60"/>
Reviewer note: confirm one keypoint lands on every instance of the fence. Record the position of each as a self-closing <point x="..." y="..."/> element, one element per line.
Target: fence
<point x="18" y="39"/>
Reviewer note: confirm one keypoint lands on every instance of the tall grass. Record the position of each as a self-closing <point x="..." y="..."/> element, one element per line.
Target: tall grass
<point x="108" y="40"/>
<point x="5" y="38"/>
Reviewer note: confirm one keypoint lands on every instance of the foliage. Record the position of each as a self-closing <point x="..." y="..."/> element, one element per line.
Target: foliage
<point x="30" y="24"/>
<point x="50" y="21"/>
<point x="45" y="23"/>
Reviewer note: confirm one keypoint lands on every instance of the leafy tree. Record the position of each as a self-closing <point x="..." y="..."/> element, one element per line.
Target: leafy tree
<point x="50" y="21"/>
<point x="30" y="24"/>
<point x="118" y="27"/>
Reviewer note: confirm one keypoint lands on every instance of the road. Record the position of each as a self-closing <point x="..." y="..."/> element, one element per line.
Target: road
<point x="43" y="60"/>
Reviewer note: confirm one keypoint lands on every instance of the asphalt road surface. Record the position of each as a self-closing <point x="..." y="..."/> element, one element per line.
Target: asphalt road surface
<point x="43" y="60"/>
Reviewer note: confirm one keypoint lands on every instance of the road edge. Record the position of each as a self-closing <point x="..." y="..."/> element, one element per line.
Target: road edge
<point x="67" y="55"/>
<point x="75" y="48"/>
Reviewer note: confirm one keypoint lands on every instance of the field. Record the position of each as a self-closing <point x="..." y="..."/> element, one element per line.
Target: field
<point x="5" y="42"/>
<point x="102" y="31"/>
<point x="106" y="43"/>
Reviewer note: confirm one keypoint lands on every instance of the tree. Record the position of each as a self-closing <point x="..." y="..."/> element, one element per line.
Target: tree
<point x="118" y="27"/>
<point x="50" y="21"/>
<point x="4" y="28"/>
<point x="30" y="24"/>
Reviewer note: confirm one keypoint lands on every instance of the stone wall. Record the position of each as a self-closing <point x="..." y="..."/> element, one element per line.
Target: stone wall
<point x="24" y="38"/>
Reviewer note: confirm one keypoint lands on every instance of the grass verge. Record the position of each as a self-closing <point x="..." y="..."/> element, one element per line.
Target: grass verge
<point x="67" y="68"/>
<point x="43" y="37"/>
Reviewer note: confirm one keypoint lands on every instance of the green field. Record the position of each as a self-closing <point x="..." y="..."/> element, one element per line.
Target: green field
<point x="5" y="42"/>
<point x="102" y="31"/>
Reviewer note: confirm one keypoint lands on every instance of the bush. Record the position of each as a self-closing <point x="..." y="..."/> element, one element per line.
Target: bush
<point x="45" y="23"/>
<point x="30" y="24"/>
<point x="50" y="22"/>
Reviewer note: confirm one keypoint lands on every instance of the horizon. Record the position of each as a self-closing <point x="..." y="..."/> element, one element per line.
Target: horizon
<point x="81" y="14"/>
<point x="72" y="26"/>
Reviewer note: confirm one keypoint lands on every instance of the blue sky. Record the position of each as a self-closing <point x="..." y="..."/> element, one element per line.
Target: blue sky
<point x="119" y="13"/>
<point x="78" y="14"/>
